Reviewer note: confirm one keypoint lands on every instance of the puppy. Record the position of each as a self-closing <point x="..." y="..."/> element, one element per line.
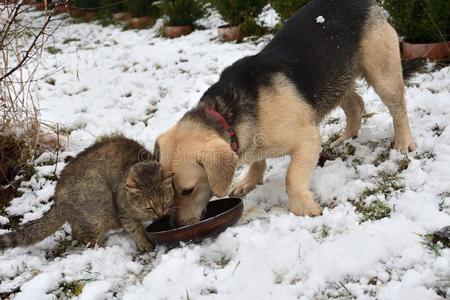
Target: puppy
<point x="271" y="104"/>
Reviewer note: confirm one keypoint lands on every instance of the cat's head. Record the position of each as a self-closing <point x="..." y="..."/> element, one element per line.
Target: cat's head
<point x="149" y="189"/>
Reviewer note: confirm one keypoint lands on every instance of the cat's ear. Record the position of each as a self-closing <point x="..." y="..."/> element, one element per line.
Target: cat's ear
<point x="131" y="186"/>
<point x="167" y="178"/>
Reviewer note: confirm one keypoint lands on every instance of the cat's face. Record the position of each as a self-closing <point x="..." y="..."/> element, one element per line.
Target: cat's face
<point x="149" y="190"/>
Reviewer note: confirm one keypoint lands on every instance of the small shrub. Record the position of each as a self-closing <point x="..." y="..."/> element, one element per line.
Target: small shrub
<point x="142" y="8"/>
<point x="109" y="7"/>
<point x="241" y="12"/>
<point x="287" y="8"/>
<point x="87" y="3"/>
<point x="420" y="20"/>
<point x="182" y="12"/>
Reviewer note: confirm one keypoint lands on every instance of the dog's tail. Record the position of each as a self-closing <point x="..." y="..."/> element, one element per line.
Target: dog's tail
<point x="33" y="231"/>
<point x="410" y="67"/>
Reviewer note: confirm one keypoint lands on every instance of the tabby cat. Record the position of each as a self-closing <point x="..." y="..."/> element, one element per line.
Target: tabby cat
<point x="106" y="187"/>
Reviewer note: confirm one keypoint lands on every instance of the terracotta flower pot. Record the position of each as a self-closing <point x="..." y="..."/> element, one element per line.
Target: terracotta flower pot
<point x="141" y="22"/>
<point x="89" y="16"/>
<point x="76" y="12"/>
<point x="61" y="9"/>
<point x="40" y="6"/>
<point x="177" y="31"/>
<point x="430" y="50"/>
<point x="229" y="33"/>
<point x="121" y="16"/>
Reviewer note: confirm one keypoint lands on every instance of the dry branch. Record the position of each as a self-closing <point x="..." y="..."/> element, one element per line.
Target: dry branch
<point x="22" y="40"/>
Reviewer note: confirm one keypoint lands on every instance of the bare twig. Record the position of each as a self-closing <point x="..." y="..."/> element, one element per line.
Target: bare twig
<point x="31" y="48"/>
<point x="21" y="44"/>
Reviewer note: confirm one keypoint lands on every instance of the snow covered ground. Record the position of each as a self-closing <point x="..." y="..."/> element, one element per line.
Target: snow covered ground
<point x="379" y="205"/>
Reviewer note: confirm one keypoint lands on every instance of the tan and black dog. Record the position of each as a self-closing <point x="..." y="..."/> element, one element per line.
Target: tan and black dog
<point x="271" y="105"/>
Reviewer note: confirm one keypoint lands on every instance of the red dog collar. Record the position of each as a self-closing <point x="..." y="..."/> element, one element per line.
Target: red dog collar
<point x="228" y="129"/>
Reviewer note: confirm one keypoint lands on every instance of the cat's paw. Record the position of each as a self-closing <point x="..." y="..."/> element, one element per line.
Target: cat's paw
<point x="144" y="245"/>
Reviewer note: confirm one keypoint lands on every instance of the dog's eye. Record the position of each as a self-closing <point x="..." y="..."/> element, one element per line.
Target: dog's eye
<point x="187" y="192"/>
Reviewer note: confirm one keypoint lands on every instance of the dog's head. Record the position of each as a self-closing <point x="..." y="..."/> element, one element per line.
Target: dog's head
<point x="203" y="165"/>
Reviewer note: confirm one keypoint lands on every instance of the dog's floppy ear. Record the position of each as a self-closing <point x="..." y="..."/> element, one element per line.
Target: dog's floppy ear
<point x="220" y="163"/>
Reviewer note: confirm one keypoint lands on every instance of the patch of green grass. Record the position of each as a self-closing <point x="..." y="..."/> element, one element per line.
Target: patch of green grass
<point x="53" y="50"/>
<point x="385" y="183"/>
<point x="434" y="243"/>
<point x="70" y="40"/>
<point x="325" y="231"/>
<point x="51" y="177"/>
<point x="376" y="210"/>
<point x="62" y="246"/>
<point x="330" y="152"/>
<point x="72" y="289"/>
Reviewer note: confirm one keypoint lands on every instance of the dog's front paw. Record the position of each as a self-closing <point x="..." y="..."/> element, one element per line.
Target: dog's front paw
<point x="304" y="206"/>
<point x="144" y="245"/>
<point x="404" y="144"/>
<point x="243" y="188"/>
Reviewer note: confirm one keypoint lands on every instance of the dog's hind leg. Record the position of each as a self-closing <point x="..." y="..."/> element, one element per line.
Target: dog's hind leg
<point x="353" y="106"/>
<point x="303" y="160"/>
<point x="382" y="68"/>
<point x="253" y="177"/>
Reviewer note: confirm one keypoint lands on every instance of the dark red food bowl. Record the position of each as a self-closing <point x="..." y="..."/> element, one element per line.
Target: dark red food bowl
<point x="220" y="214"/>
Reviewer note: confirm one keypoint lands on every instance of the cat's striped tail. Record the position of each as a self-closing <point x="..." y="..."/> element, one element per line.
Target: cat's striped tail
<point x="34" y="231"/>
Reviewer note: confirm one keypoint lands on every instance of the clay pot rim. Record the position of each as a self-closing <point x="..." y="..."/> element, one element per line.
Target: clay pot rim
<point x="177" y="31"/>
<point x="225" y="26"/>
<point x="190" y="26"/>
<point x="140" y="18"/>
<point x="432" y="51"/>
<point x="406" y="41"/>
